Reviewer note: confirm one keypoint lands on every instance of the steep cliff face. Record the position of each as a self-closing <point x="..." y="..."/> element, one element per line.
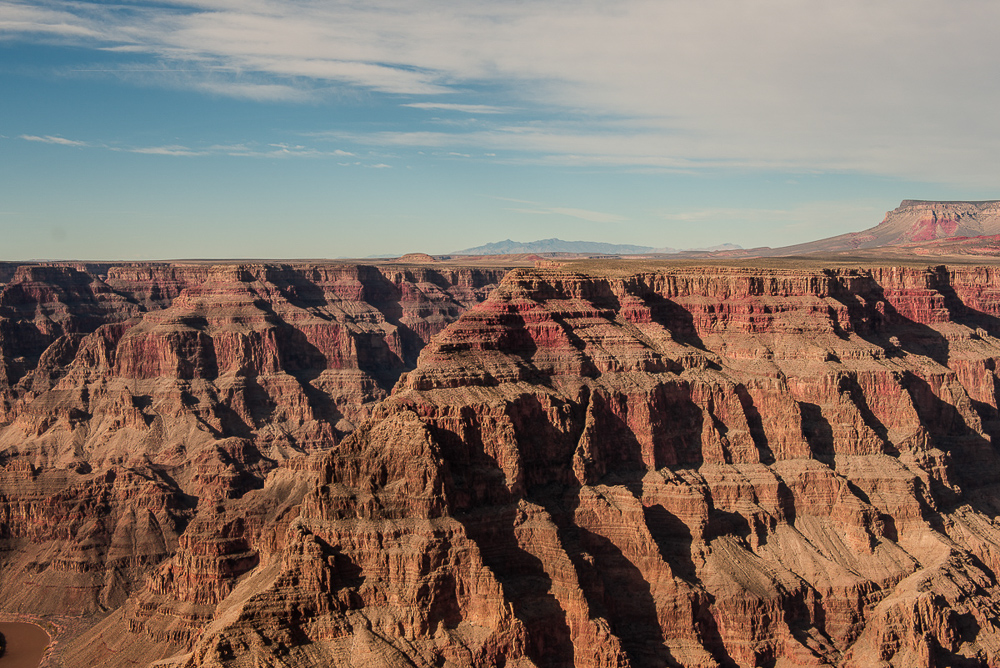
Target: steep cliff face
<point x="712" y="467"/>
<point x="693" y="467"/>
<point x="159" y="423"/>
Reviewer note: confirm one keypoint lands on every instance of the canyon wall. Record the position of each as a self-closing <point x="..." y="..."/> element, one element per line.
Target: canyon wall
<point x="158" y="423"/>
<point x="595" y="466"/>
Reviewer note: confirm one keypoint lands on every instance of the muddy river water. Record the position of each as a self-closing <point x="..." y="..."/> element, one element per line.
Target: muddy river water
<point x="25" y="644"/>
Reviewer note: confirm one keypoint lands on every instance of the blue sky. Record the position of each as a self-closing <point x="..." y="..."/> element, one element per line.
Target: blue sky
<point x="299" y="129"/>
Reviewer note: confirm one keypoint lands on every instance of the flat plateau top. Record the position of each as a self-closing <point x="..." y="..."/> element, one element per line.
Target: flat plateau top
<point x="626" y="263"/>
<point x="614" y="265"/>
<point x="806" y="263"/>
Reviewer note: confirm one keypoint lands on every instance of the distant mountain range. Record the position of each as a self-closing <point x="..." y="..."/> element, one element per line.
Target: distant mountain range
<point x="508" y="247"/>
<point x="914" y="227"/>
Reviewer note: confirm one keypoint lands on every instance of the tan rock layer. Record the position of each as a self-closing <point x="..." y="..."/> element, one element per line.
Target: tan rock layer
<point x="694" y="467"/>
<point x="146" y="408"/>
<point x="700" y="468"/>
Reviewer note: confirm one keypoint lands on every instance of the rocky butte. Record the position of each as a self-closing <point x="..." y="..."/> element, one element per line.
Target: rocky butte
<point x="598" y="464"/>
<point x="913" y="223"/>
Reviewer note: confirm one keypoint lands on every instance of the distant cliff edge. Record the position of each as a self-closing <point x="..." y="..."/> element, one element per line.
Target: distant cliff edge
<point x="913" y="222"/>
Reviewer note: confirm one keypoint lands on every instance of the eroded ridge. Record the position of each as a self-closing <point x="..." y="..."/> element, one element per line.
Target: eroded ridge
<point x="687" y="467"/>
<point x="159" y="424"/>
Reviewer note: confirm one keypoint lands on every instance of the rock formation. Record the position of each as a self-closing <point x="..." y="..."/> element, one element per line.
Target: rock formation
<point x="912" y="222"/>
<point x="618" y="466"/>
<point x="158" y="422"/>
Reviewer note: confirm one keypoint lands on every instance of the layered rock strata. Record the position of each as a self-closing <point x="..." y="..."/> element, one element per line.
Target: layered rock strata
<point x="913" y="224"/>
<point x="679" y="467"/>
<point x="657" y="467"/>
<point x="159" y="423"/>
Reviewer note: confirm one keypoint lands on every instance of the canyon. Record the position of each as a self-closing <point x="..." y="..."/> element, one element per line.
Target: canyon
<point x="614" y="463"/>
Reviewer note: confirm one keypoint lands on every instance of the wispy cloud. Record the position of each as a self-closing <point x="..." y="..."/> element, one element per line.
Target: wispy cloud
<point x="20" y="18"/>
<point x="241" y="150"/>
<point x="166" y="150"/>
<point x="246" y="150"/>
<point x="51" y="139"/>
<point x="845" y="86"/>
<point x="254" y="91"/>
<point x="464" y="108"/>
<point x="559" y="143"/>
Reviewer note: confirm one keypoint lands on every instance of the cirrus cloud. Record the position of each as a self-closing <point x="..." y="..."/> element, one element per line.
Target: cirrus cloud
<point x="892" y="88"/>
<point x="52" y="139"/>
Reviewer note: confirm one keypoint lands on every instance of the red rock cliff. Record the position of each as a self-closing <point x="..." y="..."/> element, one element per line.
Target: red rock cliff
<point x="708" y="467"/>
<point x="694" y="467"/>
<point x="158" y="423"/>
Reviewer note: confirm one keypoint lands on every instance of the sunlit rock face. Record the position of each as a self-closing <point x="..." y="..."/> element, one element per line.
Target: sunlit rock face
<point x="919" y="226"/>
<point x="158" y="423"/>
<point x="592" y="467"/>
